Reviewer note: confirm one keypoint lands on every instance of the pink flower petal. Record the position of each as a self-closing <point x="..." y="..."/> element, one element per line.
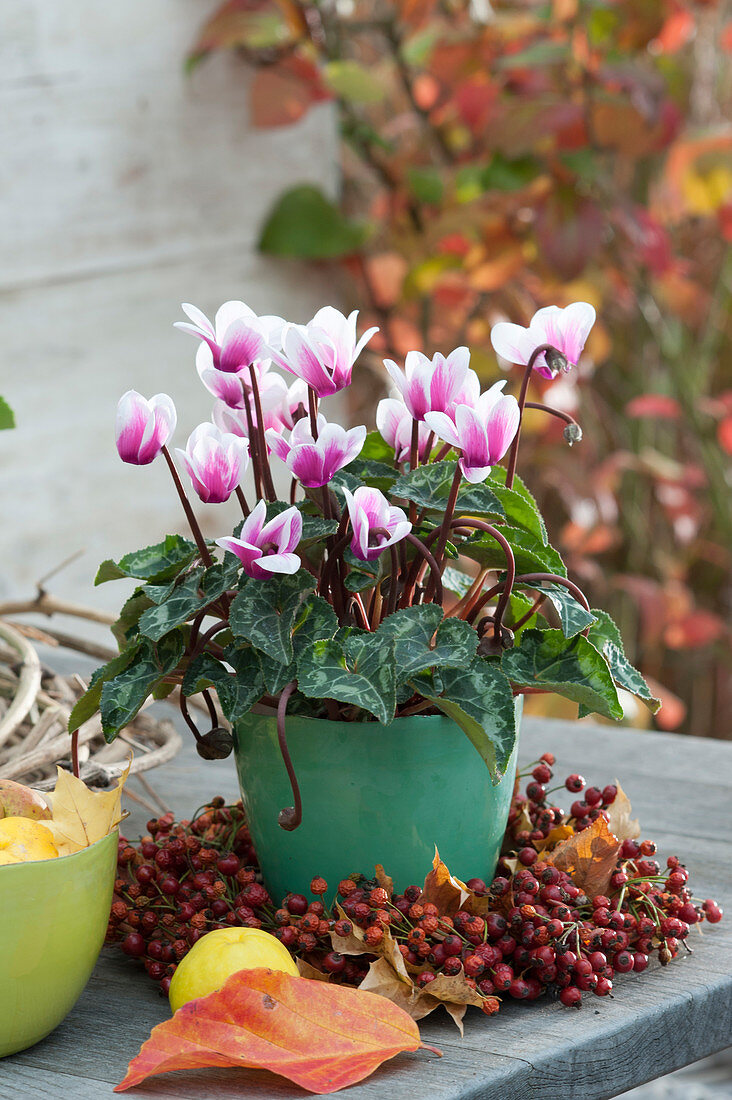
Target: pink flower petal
<point x="501" y="428"/>
<point x="199" y="319"/>
<point x="242" y="344"/>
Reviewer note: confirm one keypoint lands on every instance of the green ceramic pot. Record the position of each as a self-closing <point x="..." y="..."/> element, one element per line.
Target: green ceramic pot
<point x="53" y="917"/>
<point x="371" y="794"/>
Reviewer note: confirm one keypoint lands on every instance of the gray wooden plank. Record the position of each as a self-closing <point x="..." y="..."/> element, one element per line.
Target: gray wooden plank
<point x="657" y="1022"/>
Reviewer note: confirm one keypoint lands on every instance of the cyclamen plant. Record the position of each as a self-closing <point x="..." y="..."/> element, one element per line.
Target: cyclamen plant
<point x="354" y="600"/>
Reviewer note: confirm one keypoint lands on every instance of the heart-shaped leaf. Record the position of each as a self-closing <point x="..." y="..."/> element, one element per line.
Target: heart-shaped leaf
<point x="156" y="564"/>
<point x="605" y="635"/>
<point x="358" y="669"/>
<point x="480" y="700"/>
<point x="123" y="696"/>
<point x="264" y="613"/>
<point x="424" y="639"/>
<point x="569" y="666"/>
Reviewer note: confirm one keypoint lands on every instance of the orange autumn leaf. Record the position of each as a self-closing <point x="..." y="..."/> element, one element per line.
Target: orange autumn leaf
<point x="323" y="1037"/>
<point x="444" y="890"/>
<point x="589" y="857"/>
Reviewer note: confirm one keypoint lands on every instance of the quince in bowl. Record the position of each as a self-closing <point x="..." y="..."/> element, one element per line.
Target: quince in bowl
<point x="54" y="909"/>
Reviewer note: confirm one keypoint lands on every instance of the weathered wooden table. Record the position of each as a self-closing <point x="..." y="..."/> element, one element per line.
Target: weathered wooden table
<point x="681" y="789"/>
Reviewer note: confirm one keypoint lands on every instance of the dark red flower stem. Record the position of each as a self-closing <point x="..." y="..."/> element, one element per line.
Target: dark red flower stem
<point x="253" y="446"/>
<point x="291" y="816"/>
<point x="513" y="456"/>
<point x="193" y="522"/>
<point x="242" y="500"/>
<point x="552" y="412"/>
<point x="313" y="410"/>
<point x="413" y="464"/>
<point x="444" y="531"/>
<point x="75" y="753"/>
<point x="267" y="482"/>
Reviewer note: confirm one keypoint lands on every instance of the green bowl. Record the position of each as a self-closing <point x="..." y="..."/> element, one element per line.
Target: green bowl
<point x="53" y="917"/>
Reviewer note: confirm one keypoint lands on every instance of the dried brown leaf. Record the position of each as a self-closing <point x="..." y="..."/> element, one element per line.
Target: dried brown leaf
<point x="444" y="890"/>
<point x="589" y="857"/>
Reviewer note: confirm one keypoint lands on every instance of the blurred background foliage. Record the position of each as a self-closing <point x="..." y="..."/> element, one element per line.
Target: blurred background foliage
<point x="501" y="156"/>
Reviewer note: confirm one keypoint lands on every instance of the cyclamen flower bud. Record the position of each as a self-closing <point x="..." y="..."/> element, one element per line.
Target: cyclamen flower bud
<point x="143" y="427"/>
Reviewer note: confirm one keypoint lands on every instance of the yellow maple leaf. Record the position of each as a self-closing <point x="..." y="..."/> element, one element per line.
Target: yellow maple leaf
<point x="80" y="816"/>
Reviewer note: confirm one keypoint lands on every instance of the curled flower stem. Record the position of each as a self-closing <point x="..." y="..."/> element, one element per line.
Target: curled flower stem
<point x="513" y="456"/>
<point x="480" y="525"/>
<point x="291" y="816"/>
<point x="431" y="561"/>
<point x="193" y="522"/>
<point x="560" y="415"/>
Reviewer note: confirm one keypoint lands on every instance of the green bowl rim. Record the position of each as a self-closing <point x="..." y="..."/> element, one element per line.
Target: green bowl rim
<point x="56" y="860"/>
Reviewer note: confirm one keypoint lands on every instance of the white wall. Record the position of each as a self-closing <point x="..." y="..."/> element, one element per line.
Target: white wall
<point x="125" y="188"/>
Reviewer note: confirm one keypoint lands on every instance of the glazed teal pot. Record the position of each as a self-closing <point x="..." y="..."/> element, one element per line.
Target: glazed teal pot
<point x="53" y="917"/>
<point x="371" y="794"/>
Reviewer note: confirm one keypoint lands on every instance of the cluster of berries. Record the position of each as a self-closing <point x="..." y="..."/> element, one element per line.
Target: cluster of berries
<point x="531" y="930"/>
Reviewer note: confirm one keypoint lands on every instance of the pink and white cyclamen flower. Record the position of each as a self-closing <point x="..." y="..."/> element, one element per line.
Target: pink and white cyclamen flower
<point x="266" y="548"/>
<point x="323" y="351"/>
<point x="564" y="329"/>
<point x="371" y="515"/>
<point x="237" y="337"/>
<point x="482" y="433"/>
<point x="216" y="462"/>
<point x="143" y="427"/>
<point x="436" y="384"/>
<point x="394" y="422"/>
<point x="314" y="461"/>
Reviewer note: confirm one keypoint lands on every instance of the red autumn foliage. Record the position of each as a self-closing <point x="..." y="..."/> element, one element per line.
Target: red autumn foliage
<point x="554" y="152"/>
<point x="322" y="1037"/>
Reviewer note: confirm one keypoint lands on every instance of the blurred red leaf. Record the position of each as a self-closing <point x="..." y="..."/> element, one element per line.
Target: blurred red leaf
<point x="725" y="217"/>
<point x="569" y="232"/>
<point x="253" y="24"/>
<point x="281" y="94"/>
<point x="697" y="629"/>
<point x="673" y="709"/>
<point x="654" y="405"/>
<point x="724" y="434"/>
<point x="323" y="1037"/>
<point x="675" y="32"/>
<point x="725" y="39"/>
